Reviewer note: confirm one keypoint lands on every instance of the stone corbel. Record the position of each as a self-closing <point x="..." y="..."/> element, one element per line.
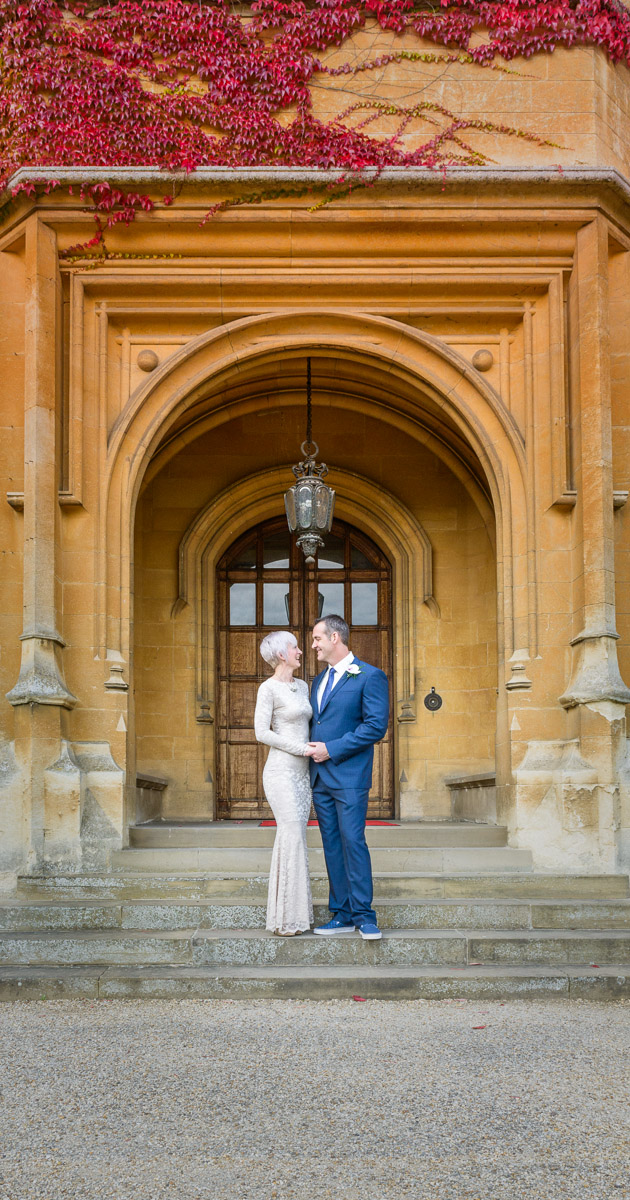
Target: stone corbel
<point x="407" y="712"/>
<point x="567" y="499"/>
<point x="204" y="716"/>
<point x="116" y="682"/>
<point x="518" y="681"/>
<point x="595" y="678"/>
<point x="41" y="678"/>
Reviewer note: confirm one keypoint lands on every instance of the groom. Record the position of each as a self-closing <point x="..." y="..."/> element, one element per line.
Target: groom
<point x="350" y="702"/>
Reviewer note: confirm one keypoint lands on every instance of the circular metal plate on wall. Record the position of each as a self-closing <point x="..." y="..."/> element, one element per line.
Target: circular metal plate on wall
<point x="432" y="701"/>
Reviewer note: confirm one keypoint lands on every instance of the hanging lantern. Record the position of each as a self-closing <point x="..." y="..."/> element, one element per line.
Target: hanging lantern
<point x="310" y="503"/>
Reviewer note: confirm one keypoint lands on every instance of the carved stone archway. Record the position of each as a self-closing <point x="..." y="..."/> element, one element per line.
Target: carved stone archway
<point x="361" y="503"/>
<point x="204" y="367"/>
<point x="215" y="375"/>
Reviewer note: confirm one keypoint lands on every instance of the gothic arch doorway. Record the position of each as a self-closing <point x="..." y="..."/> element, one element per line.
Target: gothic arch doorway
<point x="263" y="583"/>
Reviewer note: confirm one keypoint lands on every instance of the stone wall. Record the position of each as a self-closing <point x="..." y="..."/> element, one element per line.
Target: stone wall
<point x="470" y="338"/>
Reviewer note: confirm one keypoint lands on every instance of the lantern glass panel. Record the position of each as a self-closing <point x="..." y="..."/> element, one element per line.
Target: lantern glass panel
<point x="304" y="505"/>
<point x="322" y="506"/>
<point x="289" y="504"/>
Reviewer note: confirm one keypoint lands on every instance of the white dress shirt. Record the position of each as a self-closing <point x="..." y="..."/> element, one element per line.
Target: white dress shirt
<point x="339" y="671"/>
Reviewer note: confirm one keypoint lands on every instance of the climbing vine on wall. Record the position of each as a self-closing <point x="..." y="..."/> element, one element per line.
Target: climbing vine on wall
<point x="181" y="84"/>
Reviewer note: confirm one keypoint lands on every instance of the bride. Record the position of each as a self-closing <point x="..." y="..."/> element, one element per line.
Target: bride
<point x="281" y="721"/>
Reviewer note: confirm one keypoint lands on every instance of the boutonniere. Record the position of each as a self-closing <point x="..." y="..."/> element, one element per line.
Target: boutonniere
<point x="354" y="669"/>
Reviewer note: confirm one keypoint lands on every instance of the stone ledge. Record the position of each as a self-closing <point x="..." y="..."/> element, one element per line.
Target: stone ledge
<point x="516" y="178"/>
<point x="481" y="779"/>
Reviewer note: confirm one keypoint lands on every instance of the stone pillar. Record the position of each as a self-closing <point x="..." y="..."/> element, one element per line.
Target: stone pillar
<point x="40" y="695"/>
<point x="596" y="694"/>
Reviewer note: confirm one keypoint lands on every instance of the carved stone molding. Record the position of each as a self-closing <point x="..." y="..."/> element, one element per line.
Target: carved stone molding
<point x="210" y="363"/>
<point x="519" y="681"/>
<point x="595" y="677"/>
<point x="41" y="678"/>
<point x="116" y="681"/>
<point x="359" y="502"/>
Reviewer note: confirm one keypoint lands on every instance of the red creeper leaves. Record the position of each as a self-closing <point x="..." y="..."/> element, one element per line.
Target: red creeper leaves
<point x="182" y="84"/>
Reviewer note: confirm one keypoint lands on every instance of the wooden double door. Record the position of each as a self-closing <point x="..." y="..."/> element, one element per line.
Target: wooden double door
<point x="263" y="583"/>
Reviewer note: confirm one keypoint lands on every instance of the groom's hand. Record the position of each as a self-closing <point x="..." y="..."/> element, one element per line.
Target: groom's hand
<point x="317" y="751"/>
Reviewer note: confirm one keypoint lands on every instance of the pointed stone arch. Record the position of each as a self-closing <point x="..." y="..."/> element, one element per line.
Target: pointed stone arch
<point x="360" y="502"/>
<point x="205" y="366"/>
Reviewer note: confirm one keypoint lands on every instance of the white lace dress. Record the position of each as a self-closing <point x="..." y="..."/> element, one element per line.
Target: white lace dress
<point x="283" y="712"/>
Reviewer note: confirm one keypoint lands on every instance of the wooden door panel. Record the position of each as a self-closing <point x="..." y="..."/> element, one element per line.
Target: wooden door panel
<point x="246" y="736"/>
<point x="242" y="703"/>
<point x="243" y="653"/>
<point x="366" y="644"/>
<point x="243" y="771"/>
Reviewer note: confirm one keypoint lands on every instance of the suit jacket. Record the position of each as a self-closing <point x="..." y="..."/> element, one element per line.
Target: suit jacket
<point x="355" y="716"/>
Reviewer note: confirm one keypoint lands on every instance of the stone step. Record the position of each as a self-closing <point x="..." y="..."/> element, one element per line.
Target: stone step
<point x="393" y="885"/>
<point x="257" y="947"/>
<point x="237" y="912"/>
<point x="313" y="983"/>
<point x="251" y="859"/>
<point x="162" y="835"/>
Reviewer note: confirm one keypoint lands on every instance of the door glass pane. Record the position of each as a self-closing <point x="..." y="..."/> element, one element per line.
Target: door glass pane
<point x="242" y="604"/>
<point x="359" y="560"/>
<point x="245" y="558"/>
<point x="276" y="550"/>
<point x="331" y="557"/>
<point x="275" y="603"/>
<point x="365" y="603"/>
<point x="330" y="599"/>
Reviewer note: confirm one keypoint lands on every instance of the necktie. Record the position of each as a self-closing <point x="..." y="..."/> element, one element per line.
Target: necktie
<point x="328" y="689"/>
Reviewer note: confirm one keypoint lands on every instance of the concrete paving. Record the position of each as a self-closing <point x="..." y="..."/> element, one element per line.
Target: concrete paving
<point x="333" y="1100"/>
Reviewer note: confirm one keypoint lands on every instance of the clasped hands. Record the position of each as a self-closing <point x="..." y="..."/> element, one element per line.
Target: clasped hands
<point x="317" y="751"/>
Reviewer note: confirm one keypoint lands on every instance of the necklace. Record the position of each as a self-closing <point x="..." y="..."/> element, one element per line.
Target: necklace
<point x="290" y="683"/>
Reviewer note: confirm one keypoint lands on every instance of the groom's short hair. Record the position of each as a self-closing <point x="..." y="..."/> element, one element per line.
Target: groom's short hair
<point x="336" y="624"/>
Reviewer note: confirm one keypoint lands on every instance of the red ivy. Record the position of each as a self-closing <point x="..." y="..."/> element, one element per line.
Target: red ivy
<point x="181" y="84"/>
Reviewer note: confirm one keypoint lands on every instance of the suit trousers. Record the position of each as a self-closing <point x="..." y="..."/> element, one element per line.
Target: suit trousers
<point x="341" y="814"/>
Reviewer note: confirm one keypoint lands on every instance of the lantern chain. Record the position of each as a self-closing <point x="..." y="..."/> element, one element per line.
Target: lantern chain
<point x="309" y="405"/>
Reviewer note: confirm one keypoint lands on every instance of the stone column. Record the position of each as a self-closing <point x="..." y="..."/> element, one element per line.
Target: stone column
<point x="596" y="692"/>
<point x="40" y="696"/>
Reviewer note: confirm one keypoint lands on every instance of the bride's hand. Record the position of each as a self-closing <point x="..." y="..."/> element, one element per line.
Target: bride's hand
<point x="318" y="751"/>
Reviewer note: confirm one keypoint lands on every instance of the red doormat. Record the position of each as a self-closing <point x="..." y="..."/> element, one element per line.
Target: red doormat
<point x="264" y="824"/>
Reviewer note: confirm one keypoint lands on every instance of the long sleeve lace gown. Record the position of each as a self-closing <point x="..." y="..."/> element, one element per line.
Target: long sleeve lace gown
<point x="283" y="712"/>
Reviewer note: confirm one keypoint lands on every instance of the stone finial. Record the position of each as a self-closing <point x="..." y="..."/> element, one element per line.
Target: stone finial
<point x="147" y="360"/>
<point x="483" y="360"/>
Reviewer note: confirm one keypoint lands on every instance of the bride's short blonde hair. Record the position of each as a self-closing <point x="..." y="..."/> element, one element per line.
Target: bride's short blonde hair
<point x="275" y="645"/>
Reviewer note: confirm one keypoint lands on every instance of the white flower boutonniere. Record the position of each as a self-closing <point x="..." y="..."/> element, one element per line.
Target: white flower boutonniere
<point x="354" y="669"/>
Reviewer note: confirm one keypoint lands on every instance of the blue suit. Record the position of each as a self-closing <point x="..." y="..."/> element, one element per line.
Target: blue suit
<point x="354" y="717"/>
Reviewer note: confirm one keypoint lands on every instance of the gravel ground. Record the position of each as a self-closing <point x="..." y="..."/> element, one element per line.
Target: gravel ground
<point x="265" y="1099"/>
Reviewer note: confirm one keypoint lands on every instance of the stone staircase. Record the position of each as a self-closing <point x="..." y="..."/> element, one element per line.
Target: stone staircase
<point x="182" y="913"/>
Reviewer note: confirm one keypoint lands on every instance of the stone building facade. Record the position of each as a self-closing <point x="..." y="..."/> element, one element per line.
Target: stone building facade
<point x="468" y="337"/>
